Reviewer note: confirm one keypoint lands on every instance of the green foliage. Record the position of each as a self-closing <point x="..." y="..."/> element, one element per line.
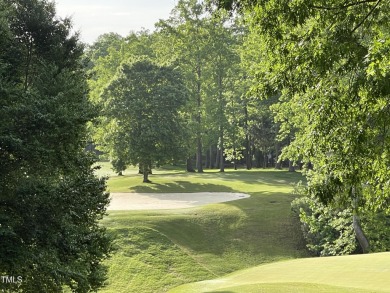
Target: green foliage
<point x="325" y="63"/>
<point x="377" y="228"/>
<point x="184" y="40"/>
<point x="118" y="165"/>
<point x="50" y="200"/>
<point x="204" y="45"/>
<point x="143" y="103"/>
<point x="328" y="229"/>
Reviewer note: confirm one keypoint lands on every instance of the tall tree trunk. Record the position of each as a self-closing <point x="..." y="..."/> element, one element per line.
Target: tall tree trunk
<point x="360" y="236"/>
<point x="212" y="157"/>
<point x="222" y="162"/>
<point x="247" y="153"/>
<point x="278" y="164"/>
<point x="199" y="154"/>
<point x="199" y="151"/>
<point x="291" y="167"/>
<point x="190" y="167"/>
<point x="222" y="158"/>
<point x="258" y="158"/>
<point x="146" y="170"/>
<point x="207" y="162"/>
<point x="146" y="175"/>
<point x="235" y="158"/>
<point x="217" y="158"/>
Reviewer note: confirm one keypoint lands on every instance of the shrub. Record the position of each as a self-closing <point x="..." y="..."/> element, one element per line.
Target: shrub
<point x="327" y="230"/>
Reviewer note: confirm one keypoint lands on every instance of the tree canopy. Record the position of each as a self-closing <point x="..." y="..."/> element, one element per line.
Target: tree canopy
<point x="328" y="63"/>
<point x="50" y="199"/>
<point x="143" y="103"/>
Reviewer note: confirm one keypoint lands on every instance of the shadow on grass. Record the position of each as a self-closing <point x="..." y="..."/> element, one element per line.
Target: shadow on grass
<point x="209" y="241"/>
<point x="263" y="176"/>
<point x="240" y="233"/>
<point x="181" y="186"/>
<point x="255" y="176"/>
<point x="235" y="234"/>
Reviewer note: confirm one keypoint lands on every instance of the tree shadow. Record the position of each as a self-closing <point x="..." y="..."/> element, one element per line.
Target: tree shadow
<point x="180" y="186"/>
<point x="254" y="176"/>
<point x="270" y="177"/>
<point x="258" y="229"/>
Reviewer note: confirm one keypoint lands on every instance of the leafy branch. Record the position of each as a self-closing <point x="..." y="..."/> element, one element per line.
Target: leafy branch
<point x="345" y="6"/>
<point x="367" y="16"/>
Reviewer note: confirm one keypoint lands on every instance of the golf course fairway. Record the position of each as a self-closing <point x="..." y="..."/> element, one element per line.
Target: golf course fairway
<point x="356" y="273"/>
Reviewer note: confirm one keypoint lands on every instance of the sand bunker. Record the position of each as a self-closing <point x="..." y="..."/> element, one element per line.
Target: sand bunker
<point x="160" y="201"/>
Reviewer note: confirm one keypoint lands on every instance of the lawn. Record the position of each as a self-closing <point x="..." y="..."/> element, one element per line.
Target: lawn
<point x="357" y="273"/>
<point x="160" y="250"/>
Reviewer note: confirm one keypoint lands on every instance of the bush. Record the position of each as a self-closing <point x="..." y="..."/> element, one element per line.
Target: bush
<point x="327" y="230"/>
<point x="376" y="226"/>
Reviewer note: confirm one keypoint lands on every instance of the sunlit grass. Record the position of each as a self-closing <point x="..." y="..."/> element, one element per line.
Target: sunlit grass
<point x="177" y="180"/>
<point x="159" y="250"/>
<point x="358" y="274"/>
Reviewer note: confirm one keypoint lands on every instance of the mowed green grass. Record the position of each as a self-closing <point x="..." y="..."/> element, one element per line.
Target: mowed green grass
<point x="159" y="250"/>
<point x="177" y="180"/>
<point x="357" y="273"/>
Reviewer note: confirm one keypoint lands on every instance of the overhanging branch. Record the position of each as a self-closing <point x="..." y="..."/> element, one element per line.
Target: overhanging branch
<point x="345" y="6"/>
<point x="367" y="16"/>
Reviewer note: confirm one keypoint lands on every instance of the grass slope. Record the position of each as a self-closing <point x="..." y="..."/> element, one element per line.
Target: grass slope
<point x="159" y="250"/>
<point x="358" y="273"/>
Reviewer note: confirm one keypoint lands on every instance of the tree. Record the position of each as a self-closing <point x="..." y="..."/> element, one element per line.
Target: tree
<point x="50" y="200"/>
<point x="143" y="104"/>
<point x="185" y="38"/>
<point x="222" y="72"/>
<point x="328" y="62"/>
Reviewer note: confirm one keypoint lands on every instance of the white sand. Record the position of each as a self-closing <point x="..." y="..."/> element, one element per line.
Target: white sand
<point x="160" y="201"/>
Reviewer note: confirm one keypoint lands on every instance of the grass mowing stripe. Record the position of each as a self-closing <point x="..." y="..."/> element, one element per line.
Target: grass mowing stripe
<point x="147" y="261"/>
<point x="357" y="273"/>
<point x="182" y="246"/>
<point x="290" y="288"/>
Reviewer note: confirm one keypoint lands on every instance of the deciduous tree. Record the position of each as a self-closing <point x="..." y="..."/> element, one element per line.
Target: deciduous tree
<point x="185" y="45"/>
<point x="328" y="62"/>
<point x="143" y="103"/>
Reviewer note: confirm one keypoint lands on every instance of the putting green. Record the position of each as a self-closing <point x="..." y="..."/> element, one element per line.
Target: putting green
<point x="356" y="273"/>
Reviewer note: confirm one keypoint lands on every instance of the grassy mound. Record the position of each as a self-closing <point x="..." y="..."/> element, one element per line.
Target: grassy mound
<point x="358" y="273"/>
<point x="147" y="260"/>
<point x="159" y="250"/>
